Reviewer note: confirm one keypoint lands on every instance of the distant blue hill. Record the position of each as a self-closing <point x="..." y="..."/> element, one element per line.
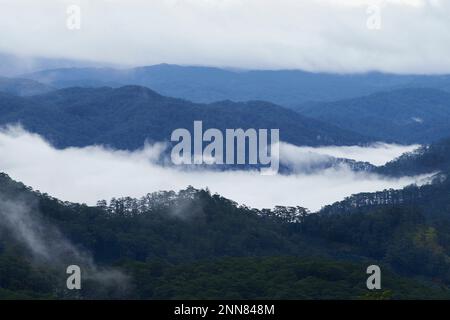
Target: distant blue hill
<point x="204" y="84"/>
<point x="23" y="87"/>
<point x="126" y="117"/>
<point x="415" y="115"/>
<point x="12" y="65"/>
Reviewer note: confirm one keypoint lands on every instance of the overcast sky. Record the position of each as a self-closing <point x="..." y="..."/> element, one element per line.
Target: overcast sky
<point x="317" y="35"/>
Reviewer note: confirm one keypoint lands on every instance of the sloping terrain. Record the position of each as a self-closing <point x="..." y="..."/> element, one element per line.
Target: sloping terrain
<point x="416" y="115"/>
<point x="126" y="117"/>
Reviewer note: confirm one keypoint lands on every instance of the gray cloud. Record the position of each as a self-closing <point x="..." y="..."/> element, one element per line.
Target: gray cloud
<point x="317" y="35"/>
<point x="93" y="173"/>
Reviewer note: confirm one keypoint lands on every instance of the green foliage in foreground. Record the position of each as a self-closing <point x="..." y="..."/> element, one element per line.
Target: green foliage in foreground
<point x="270" y="278"/>
<point x="193" y="244"/>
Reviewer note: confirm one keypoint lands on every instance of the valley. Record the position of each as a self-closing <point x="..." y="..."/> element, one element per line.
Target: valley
<point x="361" y="181"/>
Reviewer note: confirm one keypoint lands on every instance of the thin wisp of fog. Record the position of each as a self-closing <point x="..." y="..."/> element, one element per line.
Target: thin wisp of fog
<point x="93" y="173"/>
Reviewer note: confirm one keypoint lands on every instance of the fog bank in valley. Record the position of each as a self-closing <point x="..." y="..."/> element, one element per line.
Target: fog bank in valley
<point x="92" y="173"/>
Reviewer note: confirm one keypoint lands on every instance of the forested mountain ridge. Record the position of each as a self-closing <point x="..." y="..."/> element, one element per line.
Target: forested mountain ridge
<point x="193" y="244"/>
<point x="126" y="117"/>
<point x="433" y="197"/>
<point x="427" y="159"/>
<point x="412" y="115"/>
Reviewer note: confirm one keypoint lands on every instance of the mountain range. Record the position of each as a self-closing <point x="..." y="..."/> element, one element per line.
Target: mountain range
<point x="126" y="117"/>
<point x="288" y="88"/>
<point x="385" y="107"/>
<point x="194" y="244"/>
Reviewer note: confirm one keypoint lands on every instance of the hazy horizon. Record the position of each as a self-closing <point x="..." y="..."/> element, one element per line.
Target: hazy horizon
<point x="33" y="64"/>
<point x="345" y="36"/>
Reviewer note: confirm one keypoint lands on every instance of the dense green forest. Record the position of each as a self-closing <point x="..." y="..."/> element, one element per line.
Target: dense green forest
<point x="194" y="244"/>
<point x="428" y="158"/>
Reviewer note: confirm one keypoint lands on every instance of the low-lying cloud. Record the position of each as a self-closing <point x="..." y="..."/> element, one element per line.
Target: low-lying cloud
<point x="377" y="154"/>
<point x="92" y="173"/>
